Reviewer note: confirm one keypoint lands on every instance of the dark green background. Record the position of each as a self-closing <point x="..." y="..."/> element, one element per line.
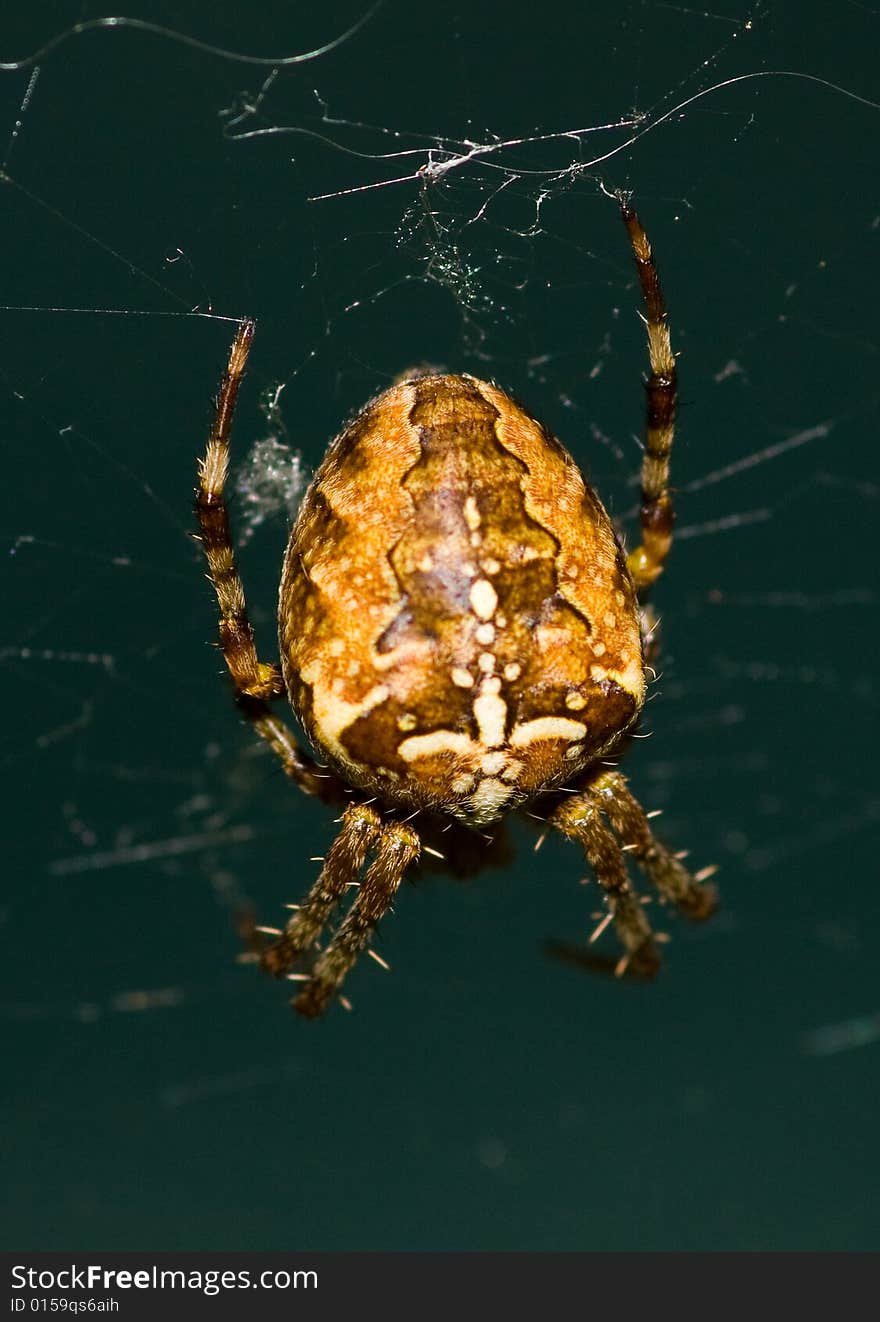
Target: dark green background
<point x="480" y="1096"/>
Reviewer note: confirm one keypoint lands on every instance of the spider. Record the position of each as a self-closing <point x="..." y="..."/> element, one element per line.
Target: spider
<point x="461" y="636"/>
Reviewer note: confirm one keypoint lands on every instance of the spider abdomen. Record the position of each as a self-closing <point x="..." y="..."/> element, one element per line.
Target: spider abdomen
<point x="457" y="625"/>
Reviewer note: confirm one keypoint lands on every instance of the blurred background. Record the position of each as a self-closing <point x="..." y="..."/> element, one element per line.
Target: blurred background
<point x="429" y="188"/>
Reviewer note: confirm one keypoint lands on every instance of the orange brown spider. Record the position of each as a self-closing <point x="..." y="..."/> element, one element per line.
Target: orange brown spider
<point x="461" y="635"/>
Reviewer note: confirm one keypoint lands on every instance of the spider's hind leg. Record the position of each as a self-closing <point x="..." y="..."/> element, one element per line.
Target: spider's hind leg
<point x="257" y="683"/>
<point x="253" y="678"/>
<point x="657" y="516"/>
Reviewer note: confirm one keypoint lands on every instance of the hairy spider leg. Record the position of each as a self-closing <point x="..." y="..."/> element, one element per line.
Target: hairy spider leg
<point x="359" y="828"/>
<point x="396" y="848"/>
<point x="580" y="818"/>
<point x="256" y="682"/>
<point x="661" y="394"/>
<point x="606" y="843"/>
<point x="667" y="873"/>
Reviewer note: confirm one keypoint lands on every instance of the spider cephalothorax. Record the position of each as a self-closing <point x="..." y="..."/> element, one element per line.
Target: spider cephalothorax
<point x="460" y="633"/>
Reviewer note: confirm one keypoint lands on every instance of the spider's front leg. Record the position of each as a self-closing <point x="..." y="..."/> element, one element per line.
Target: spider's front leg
<point x="395" y="848"/>
<point x="359" y="827"/>
<point x="580" y="818"/>
<point x="608" y="822"/>
<point x="664" y="870"/>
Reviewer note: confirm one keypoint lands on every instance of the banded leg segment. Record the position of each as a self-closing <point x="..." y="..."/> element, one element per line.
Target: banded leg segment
<point x="580" y="818"/>
<point x="666" y="872"/>
<point x="253" y="678"/>
<point x="345" y="858"/>
<point x="396" y="849"/>
<point x="661" y="391"/>
<point x="256" y="682"/>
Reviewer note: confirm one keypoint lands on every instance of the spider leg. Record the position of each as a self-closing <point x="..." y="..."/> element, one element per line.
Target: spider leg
<point x="580" y="818"/>
<point x="396" y="848"/>
<point x="346" y="856"/>
<point x="253" y="678"/>
<point x="256" y="682"/>
<point x="661" y="391"/>
<point x="666" y="872"/>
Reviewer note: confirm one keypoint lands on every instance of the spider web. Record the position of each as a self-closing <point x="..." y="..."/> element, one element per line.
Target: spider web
<point x="411" y="189"/>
